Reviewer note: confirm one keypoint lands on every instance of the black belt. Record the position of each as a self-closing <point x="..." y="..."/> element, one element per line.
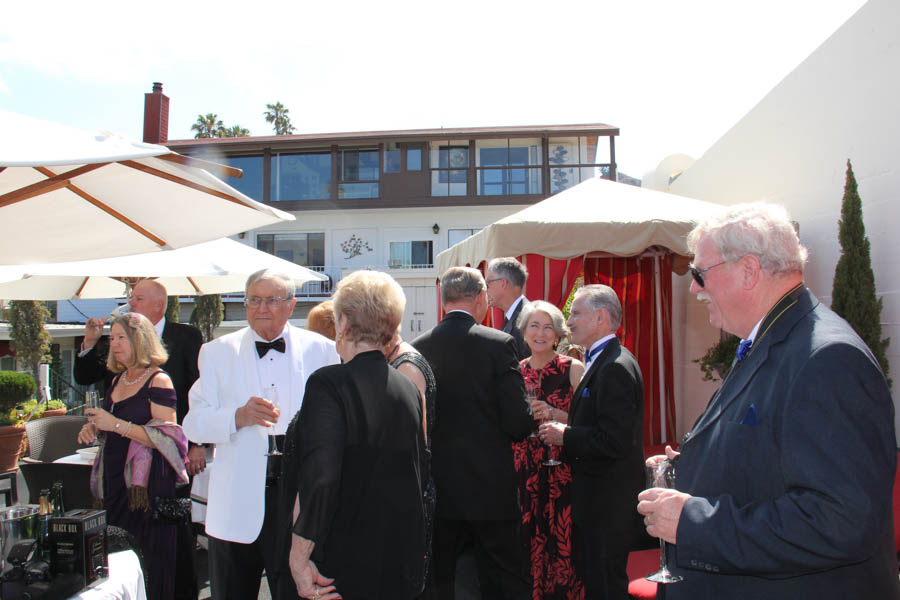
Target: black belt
<point x="273" y="465"/>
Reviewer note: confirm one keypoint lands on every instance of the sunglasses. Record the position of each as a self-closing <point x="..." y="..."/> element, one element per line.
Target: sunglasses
<point x="697" y="274"/>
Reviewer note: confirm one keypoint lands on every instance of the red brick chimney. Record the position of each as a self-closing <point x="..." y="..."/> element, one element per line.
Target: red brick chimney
<point x="156" y="116"/>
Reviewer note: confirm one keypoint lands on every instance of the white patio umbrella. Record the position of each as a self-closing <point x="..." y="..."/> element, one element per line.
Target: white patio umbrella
<point x="66" y="194"/>
<point x="217" y="267"/>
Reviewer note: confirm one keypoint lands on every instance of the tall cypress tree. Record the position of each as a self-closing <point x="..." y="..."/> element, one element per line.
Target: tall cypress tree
<point x="853" y="292"/>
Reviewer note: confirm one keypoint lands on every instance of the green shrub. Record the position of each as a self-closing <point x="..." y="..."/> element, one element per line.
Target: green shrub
<point x="15" y="388"/>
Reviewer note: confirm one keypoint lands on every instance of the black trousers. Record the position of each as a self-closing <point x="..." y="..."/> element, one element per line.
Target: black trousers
<point x="185" y="555"/>
<point x="500" y="553"/>
<point x="235" y="569"/>
<point x="599" y="564"/>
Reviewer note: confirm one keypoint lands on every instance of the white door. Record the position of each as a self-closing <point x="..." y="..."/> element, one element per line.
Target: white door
<point x="421" y="310"/>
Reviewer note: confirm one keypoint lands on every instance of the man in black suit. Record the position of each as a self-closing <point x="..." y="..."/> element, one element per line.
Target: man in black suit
<point x="505" y="279"/>
<point x="182" y="342"/>
<point x="783" y="486"/>
<point x="603" y="443"/>
<point x="481" y="409"/>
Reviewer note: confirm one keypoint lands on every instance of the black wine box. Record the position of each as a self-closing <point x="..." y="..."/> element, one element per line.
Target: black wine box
<point x="77" y="544"/>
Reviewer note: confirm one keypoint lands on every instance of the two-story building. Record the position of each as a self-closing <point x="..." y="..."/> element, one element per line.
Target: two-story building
<point x="392" y="200"/>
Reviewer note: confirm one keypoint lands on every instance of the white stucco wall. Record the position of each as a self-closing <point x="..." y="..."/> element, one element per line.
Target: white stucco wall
<point x="792" y="148"/>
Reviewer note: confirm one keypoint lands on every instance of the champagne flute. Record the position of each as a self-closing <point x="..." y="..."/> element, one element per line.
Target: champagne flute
<point x="272" y="396"/>
<point x="92" y="400"/>
<point x="662" y="475"/>
<point x="551" y="461"/>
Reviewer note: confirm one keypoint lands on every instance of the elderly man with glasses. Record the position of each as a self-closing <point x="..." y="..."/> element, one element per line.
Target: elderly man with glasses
<point x="783" y="485"/>
<point x="251" y="385"/>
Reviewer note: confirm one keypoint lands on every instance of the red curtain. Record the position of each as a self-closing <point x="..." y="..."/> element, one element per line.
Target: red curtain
<point x="645" y="327"/>
<point x="549" y="279"/>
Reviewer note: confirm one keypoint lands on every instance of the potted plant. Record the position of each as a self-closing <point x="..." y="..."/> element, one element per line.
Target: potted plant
<point x="717" y="360"/>
<point x="15" y="390"/>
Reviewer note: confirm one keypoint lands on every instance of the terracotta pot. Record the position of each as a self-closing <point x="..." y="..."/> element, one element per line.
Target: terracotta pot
<point x="54" y="412"/>
<point x="12" y="439"/>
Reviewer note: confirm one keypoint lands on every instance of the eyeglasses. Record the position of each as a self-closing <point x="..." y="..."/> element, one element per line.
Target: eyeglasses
<point x="271" y="301"/>
<point x="697" y="274"/>
<point x="490" y="281"/>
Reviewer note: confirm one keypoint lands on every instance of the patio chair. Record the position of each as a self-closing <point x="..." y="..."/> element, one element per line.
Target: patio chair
<point x="76" y="481"/>
<point x="51" y="438"/>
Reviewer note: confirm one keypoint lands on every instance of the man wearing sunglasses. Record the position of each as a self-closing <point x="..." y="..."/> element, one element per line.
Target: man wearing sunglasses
<point x="783" y="486"/>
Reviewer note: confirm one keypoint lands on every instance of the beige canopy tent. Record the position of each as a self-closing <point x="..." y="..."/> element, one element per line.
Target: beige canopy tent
<point x="596" y="215"/>
<point x="623" y="236"/>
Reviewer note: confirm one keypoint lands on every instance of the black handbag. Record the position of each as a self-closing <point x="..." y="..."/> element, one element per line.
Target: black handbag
<point x="171" y="511"/>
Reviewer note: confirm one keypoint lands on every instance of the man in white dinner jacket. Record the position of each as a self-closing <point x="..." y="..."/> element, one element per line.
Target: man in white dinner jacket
<point x="230" y="406"/>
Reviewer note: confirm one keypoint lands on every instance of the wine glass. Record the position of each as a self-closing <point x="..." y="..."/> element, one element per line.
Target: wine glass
<point x="662" y="475"/>
<point x="92" y="400"/>
<point x="551" y="449"/>
<point x="272" y="396"/>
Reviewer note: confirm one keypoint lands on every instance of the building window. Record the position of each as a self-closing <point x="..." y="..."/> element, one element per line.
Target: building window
<point x="507" y="167"/>
<point x="573" y="160"/>
<point x="251" y="183"/>
<point x="411" y="255"/>
<point x="393" y="157"/>
<point x="455" y="236"/>
<point x="301" y="176"/>
<point x="413" y="158"/>
<point x="358" y="173"/>
<point x="306" y="249"/>
<point x="449" y="168"/>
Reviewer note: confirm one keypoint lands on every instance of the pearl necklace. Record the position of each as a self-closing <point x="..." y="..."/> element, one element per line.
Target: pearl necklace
<point x="138" y="380"/>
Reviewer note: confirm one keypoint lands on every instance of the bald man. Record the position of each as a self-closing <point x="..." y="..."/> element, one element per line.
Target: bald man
<point x="182" y="342"/>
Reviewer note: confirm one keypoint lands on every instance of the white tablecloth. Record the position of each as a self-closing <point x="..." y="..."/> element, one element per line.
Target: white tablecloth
<point x="125" y="582"/>
<point x="74" y="459"/>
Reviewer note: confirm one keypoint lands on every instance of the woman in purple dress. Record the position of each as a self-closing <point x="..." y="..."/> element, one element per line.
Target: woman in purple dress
<point x="142" y="446"/>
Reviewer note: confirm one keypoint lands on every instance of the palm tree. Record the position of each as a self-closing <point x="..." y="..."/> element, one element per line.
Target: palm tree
<point x="208" y="126"/>
<point x="278" y="115"/>
<point x="234" y="131"/>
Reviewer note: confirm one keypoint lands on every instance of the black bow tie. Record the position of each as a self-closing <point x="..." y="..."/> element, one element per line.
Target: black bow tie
<point x="263" y="347"/>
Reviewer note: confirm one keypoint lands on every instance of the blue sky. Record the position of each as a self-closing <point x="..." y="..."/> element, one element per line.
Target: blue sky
<point x="673" y="76"/>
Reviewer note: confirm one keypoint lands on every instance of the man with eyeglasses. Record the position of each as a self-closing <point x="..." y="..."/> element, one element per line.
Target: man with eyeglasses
<point x="783" y="487"/>
<point x="505" y="280"/>
<point x="232" y="406"/>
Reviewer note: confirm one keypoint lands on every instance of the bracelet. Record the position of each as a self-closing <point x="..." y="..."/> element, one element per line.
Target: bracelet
<point x="125" y="433"/>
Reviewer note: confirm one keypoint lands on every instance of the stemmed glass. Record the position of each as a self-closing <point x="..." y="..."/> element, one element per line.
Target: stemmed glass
<point x="551" y="460"/>
<point x="272" y="396"/>
<point x="662" y="475"/>
<point x="92" y="400"/>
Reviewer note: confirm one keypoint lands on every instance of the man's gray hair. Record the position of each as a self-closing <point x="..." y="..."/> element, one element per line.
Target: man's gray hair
<point x="272" y="275"/>
<point x="599" y="296"/>
<point x="509" y="269"/>
<point x="461" y="284"/>
<point x="763" y="230"/>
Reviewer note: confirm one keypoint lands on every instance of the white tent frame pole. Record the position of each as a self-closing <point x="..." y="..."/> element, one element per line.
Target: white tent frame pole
<point x="657" y="296"/>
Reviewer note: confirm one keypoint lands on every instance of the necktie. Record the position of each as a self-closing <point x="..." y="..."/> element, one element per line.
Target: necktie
<point x="263" y="347"/>
<point x="589" y="356"/>
<point x="744" y="349"/>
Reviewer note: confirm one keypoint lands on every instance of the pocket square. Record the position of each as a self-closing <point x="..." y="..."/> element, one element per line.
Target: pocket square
<point x="750" y="416"/>
<point x="585" y="393"/>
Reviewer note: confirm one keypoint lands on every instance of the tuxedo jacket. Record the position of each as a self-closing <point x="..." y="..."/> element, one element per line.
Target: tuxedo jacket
<point x="228" y="378"/>
<point x="511" y="327"/>
<point x="791" y="468"/>
<point x="181" y="341"/>
<point x="604" y="446"/>
<point x="481" y="409"/>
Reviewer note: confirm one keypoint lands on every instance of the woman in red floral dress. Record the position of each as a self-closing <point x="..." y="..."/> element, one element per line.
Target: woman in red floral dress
<point x="546" y="505"/>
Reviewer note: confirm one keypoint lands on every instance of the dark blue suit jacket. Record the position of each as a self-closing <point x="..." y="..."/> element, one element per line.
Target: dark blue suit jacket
<point x="791" y="468"/>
